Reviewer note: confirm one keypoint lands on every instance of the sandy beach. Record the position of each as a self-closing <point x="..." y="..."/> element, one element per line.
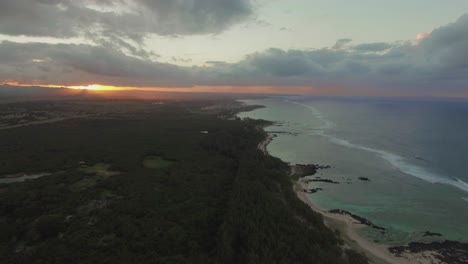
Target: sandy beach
<point x="263" y="145"/>
<point x="348" y="226"/>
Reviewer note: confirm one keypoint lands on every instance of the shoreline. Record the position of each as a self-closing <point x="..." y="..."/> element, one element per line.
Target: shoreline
<point x="262" y="146"/>
<point x="348" y="224"/>
<point x="348" y="227"/>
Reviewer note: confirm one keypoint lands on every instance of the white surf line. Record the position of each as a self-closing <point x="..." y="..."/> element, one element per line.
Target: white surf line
<point x="327" y="123"/>
<point x="394" y="159"/>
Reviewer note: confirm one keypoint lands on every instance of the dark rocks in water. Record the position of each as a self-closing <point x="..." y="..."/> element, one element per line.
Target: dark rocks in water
<point x="431" y="234"/>
<point x="420" y="158"/>
<point x="361" y="220"/>
<point x="452" y="252"/>
<point x="302" y="170"/>
<point x="312" y="190"/>
<point x="284" y="133"/>
<point x="325" y="180"/>
<point x="321" y="180"/>
<point x="364" y="179"/>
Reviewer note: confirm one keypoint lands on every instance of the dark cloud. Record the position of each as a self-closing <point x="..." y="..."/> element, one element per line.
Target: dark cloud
<point x="448" y="45"/>
<point x="37" y="18"/>
<point x="121" y="24"/>
<point x="438" y="63"/>
<point x="131" y="18"/>
<point x="216" y="63"/>
<point x="192" y="16"/>
<point x="70" y="64"/>
<point x="373" y="47"/>
<point x="276" y="62"/>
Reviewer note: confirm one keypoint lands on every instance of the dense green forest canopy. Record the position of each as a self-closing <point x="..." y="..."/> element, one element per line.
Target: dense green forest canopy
<point x="153" y="183"/>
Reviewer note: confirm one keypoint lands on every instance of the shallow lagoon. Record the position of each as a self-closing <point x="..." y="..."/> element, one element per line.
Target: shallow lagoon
<point x="409" y="191"/>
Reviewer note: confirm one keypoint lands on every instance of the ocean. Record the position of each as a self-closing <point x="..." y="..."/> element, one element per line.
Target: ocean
<point x="414" y="154"/>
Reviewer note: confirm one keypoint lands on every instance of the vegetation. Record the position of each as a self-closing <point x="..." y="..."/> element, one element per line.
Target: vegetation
<point x="100" y="169"/>
<point x="156" y="162"/>
<point x="198" y="198"/>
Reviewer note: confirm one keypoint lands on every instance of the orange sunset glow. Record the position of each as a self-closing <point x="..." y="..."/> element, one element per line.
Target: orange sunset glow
<point x="199" y="88"/>
<point x="93" y="87"/>
<point x="259" y="89"/>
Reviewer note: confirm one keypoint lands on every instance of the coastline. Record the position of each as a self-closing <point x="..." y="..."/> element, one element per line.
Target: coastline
<point x="262" y="146"/>
<point x="434" y="251"/>
<point x="348" y="227"/>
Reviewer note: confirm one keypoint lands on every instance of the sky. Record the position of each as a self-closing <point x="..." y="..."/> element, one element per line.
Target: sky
<point x="323" y="47"/>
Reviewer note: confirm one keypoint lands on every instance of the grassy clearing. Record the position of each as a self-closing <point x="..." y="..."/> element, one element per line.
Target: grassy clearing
<point x="84" y="184"/>
<point x="106" y="194"/>
<point x="156" y="162"/>
<point x="99" y="169"/>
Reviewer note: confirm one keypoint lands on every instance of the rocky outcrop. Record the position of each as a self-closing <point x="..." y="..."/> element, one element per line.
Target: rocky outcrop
<point x="358" y="218"/>
<point x="314" y="190"/>
<point x="302" y="170"/>
<point x="452" y="252"/>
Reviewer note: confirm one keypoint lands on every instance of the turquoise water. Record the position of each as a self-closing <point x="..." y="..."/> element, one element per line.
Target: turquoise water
<point x="414" y="153"/>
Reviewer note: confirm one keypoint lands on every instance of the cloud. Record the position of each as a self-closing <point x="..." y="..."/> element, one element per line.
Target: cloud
<point x="216" y="63"/>
<point x="121" y="24"/>
<point x="372" y="47"/>
<point x="193" y="16"/>
<point x="437" y="64"/>
<point x="131" y="18"/>
<point x="448" y="45"/>
<point x="276" y="62"/>
<point x="341" y="43"/>
<point x="70" y="64"/>
<point x="421" y="36"/>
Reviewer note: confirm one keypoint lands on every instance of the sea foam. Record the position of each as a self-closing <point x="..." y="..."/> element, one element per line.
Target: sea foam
<point x="395" y="160"/>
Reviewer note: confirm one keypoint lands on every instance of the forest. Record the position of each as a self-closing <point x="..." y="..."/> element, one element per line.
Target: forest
<point x="154" y="183"/>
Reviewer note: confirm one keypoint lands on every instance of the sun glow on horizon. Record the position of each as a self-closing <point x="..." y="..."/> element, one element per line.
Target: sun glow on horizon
<point x="92" y="87"/>
<point x="96" y="87"/>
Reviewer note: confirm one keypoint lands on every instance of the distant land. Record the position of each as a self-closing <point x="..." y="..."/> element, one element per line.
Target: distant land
<point x="15" y="93"/>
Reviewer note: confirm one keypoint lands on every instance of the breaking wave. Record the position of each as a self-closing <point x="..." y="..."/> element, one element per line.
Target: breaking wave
<point x="395" y="160"/>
